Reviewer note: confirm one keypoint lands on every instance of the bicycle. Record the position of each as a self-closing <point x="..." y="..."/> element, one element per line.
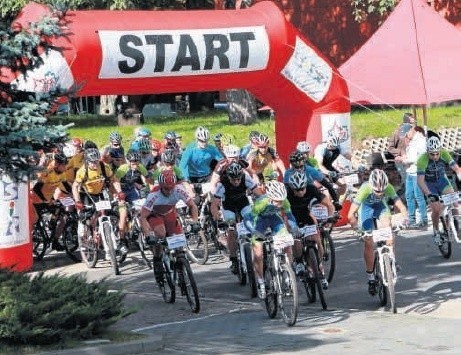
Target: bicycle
<point x="103" y="236"/>
<point x="313" y="275"/>
<point x="279" y="278"/>
<point x="246" y="272"/>
<point x="177" y="271"/>
<point x="384" y="268"/>
<point x="56" y="227"/>
<point x="197" y="244"/>
<point x="450" y="225"/>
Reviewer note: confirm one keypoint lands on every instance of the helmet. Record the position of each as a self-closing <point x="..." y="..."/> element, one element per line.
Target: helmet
<point x="115" y="137"/>
<point x="276" y="190"/>
<point x="333" y="142"/>
<point x="167" y="178"/>
<point x="217" y="137"/>
<point x="201" y="133"/>
<point x="234" y="170"/>
<point x="433" y="144"/>
<point x="297" y="180"/>
<point x="261" y="140"/>
<point x="144" y="145"/>
<point x="170" y="135"/>
<point x="304" y="147"/>
<point x="116" y="153"/>
<point x="133" y="155"/>
<point x="77" y="142"/>
<point x="169" y="156"/>
<point x="60" y="158"/>
<point x="231" y="151"/>
<point x="252" y="136"/>
<point x="142" y="132"/>
<point x="156" y="144"/>
<point x="92" y="155"/>
<point x="378" y="180"/>
<point x="90" y="144"/>
<point x="69" y="150"/>
<point x="296" y="157"/>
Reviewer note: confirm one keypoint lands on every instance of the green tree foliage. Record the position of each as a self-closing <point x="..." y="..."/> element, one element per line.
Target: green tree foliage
<point x="362" y="8"/>
<point x="52" y="309"/>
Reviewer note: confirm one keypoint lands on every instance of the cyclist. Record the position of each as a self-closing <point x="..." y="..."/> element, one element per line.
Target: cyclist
<point x="231" y="153"/>
<point x="327" y="153"/>
<point x="433" y="179"/>
<point x="170" y="141"/>
<point x="198" y="156"/>
<point x="76" y="161"/>
<point x="300" y="199"/>
<point x="157" y="149"/>
<point x="371" y="202"/>
<point x="264" y="157"/>
<point x="142" y="132"/>
<point x="305" y="148"/>
<point x="113" y="154"/>
<point x="246" y="149"/>
<point x="91" y="181"/>
<point x="134" y="181"/>
<point x="158" y="215"/>
<point x="231" y="193"/>
<point x="144" y="147"/>
<point x="315" y="179"/>
<point x="217" y="139"/>
<point x="272" y="211"/>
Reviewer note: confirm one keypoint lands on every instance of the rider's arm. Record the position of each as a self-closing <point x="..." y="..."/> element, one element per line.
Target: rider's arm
<point x="193" y="209"/>
<point x="351" y="215"/>
<point x="143" y="219"/>
<point x="184" y="162"/>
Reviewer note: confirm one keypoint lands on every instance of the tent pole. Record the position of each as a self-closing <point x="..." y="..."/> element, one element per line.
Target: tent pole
<point x="425" y="118"/>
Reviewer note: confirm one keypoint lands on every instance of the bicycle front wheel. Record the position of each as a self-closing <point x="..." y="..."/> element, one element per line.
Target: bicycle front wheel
<point x="389" y="275"/>
<point x="382" y="292"/>
<point x="314" y="265"/>
<point x="188" y="285"/>
<point x="107" y="231"/>
<point x="329" y="255"/>
<point x="88" y="248"/>
<point x="445" y="242"/>
<point x="241" y="274"/>
<point x="288" y="295"/>
<point x="39" y="240"/>
<point x="70" y="239"/>
<point x="271" y="293"/>
<point x="250" y="271"/>
<point x="166" y="285"/>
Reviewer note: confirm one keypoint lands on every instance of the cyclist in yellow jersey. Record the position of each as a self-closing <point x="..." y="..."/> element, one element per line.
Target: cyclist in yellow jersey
<point x="76" y="161"/>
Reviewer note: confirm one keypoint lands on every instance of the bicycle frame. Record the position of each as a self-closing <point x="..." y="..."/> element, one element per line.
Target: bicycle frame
<point x="448" y="201"/>
<point x="380" y="237"/>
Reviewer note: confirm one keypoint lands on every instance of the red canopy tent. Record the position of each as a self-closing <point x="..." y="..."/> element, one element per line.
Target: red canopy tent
<point x="414" y="58"/>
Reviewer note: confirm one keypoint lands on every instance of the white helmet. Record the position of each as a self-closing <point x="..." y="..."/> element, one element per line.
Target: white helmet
<point x="304" y="147"/>
<point x="378" y="180"/>
<point x="203" y="134"/>
<point x="433" y="145"/>
<point x="231" y="151"/>
<point x="276" y="190"/>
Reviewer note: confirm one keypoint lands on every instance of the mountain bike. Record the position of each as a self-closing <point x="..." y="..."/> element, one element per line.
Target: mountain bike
<point x="177" y="271"/>
<point x="279" y="278"/>
<point x="449" y="224"/>
<point x="246" y="272"/>
<point x="56" y="227"/>
<point x="134" y="231"/>
<point x="313" y="275"/>
<point x="384" y="266"/>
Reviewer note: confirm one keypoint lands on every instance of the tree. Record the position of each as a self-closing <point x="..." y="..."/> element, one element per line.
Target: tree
<point x="23" y="115"/>
<point x="362" y="8"/>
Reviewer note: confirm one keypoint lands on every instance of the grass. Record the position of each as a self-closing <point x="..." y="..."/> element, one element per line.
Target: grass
<point x="365" y="124"/>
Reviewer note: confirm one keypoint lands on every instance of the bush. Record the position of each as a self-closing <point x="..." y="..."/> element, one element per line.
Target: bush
<point x="45" y="310"/>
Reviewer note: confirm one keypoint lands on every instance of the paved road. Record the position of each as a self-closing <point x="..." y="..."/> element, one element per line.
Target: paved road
<point x="230" y="322"/>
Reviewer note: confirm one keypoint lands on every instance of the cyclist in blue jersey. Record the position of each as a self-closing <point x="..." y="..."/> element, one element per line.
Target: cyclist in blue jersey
<point x="433" y="180"/>
<point x="198" y="156"/>
<point x="371" y="202"/>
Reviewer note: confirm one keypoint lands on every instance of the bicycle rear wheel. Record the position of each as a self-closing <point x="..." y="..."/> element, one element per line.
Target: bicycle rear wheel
<point x="187" y="284"/>
<point x="288" y="295"/>
<point x="445" y="242"/>
<point x="389" y="275"/>
<point x="88" y="248"/>
<point x="39" y="241"/>
<point x="314" y="265"/>
<point x="107" y="231"/>
<point x="250" y="270"/>
<point x="329" y="255"/>
<point x="167" y="286"/>
<point x="382" y="292"/>
<point x="308" y="279"/>
<point x="271" y="293"/>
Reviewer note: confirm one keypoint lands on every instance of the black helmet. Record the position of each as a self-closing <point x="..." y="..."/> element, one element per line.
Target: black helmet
<point x="60" y="158"/>
<point x="169" y="156"/>
<point x="133" y="155"/>
<point x="296" y="157"/>
<point x="234" y="170"/>
<point x="90" y="145"/>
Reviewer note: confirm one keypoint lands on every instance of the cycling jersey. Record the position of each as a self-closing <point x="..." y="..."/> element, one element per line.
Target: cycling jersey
<point x="195" y="161"/>
<point x="73" y="165"/>
<point x="128" y="178"/>
<point x="434" y="171"/>
<point x="234" y="198"/>
<point x="47" y="183"/>
<point x="366" y="196"/>
<point x="93" y="181"/>
<point x="266" y="215"/>
<point x="300" y="206"/>
<point x="259" y="161"/>
<point x="161" y="205"/>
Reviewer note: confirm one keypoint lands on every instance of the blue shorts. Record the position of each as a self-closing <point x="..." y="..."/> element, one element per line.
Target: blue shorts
<point x="367" y="213"/>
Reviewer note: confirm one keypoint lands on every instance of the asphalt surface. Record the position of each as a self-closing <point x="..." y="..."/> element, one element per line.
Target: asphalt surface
<point x="231" y="322"/>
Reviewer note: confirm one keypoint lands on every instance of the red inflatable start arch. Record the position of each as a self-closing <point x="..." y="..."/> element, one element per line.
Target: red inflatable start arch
<point x="141" y="52"/>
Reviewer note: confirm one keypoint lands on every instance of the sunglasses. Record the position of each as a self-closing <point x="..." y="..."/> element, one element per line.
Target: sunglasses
<point x="378" y="192"/>
<point x="116" y="144"/>
<point x="298" y="166"/>
<point x="301" y="189"/>
<point x="434" y="154"/>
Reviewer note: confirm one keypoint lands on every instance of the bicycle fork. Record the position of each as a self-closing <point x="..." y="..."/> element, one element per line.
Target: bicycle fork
<point x="106" y="220"/>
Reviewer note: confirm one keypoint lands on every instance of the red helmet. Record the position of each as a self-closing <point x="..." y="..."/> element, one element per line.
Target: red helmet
<point x="77" y="142"/>
<point x="156" y="144"/>
<point x="167" y="178"/>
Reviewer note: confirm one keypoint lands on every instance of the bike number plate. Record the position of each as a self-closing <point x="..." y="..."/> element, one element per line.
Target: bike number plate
<point x="67" y="201"/>
<point x="449" y="199"/>
<point x="382" y="234"/>
<point x="242" y="229"/>
<point x="103" y="205"/>
<point x="319" y="212"/>
<point x="307" y="231"/>
<point x="283" y="240"/>
<point x="181" y="204"/>
<point x="206" y="188"/>
<point x="352" y="179"/>
<point x="137" y="204"/>
<point x="176" y="241"/>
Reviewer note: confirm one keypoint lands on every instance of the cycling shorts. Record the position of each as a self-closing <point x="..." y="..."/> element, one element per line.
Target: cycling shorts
<point x="169" y="220"/>
<point x="439" y="187"/>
